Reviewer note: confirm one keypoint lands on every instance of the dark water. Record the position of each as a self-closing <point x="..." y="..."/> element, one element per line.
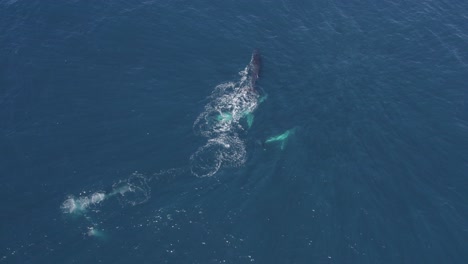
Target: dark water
<point x="375" y="171"/>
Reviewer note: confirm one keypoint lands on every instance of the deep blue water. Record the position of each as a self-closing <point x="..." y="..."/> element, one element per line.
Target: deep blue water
<point x="375" y="93"/>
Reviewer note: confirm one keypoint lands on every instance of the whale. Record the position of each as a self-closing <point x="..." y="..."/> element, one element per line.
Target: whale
<point x="248" y="91"/>
<point x="255" y="65"/>
<point x="281" y="138"/>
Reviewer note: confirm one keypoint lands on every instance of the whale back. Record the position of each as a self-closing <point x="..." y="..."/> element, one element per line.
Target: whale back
<point x="255" y="65"/>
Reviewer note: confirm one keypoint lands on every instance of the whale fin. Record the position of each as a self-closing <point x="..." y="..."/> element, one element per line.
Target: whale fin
<point x="250" y="119"/>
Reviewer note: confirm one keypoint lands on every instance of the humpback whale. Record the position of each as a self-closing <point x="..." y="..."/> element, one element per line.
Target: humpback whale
<point x="246" y="97"/>
<point x="255" y="65"/>
<point x="282" y="138"/>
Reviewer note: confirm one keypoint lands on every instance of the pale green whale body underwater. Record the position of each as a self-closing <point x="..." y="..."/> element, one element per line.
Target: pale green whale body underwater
<point x="281" y="138"/>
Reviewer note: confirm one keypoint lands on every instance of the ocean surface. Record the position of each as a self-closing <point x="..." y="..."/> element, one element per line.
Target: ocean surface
<point x="135" y="131"/>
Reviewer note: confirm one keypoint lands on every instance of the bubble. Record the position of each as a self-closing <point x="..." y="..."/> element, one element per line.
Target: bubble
<point x="132" y="191"/>
<point x="206" y="161"/>
<point x="80" y="204"/>
<point x="93" y="231"/>
<point x="97" y="198"/>
<point x="69" y="205"/>
<point x="223" y="151"/>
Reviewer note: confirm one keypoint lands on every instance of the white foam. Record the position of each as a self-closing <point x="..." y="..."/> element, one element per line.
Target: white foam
<point x="93" y="232"/>
<point x="224" y="146"/>
<point x="97" y="198"/>
<point x="229" y="99"/>
<point x="132" y="191"/>
<point x="206" y="161"/>
<point x="77" y="205"/>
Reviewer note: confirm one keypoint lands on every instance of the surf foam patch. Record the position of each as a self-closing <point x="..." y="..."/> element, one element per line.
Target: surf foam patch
<point x="221" y="123"/>
<point x="78" y="205"/>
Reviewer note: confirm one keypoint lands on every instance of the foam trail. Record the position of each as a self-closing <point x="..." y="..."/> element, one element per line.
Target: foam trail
<point x="79" y="205"/>
<point x="222" y="122"/>
<point x="133" y="190"/>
